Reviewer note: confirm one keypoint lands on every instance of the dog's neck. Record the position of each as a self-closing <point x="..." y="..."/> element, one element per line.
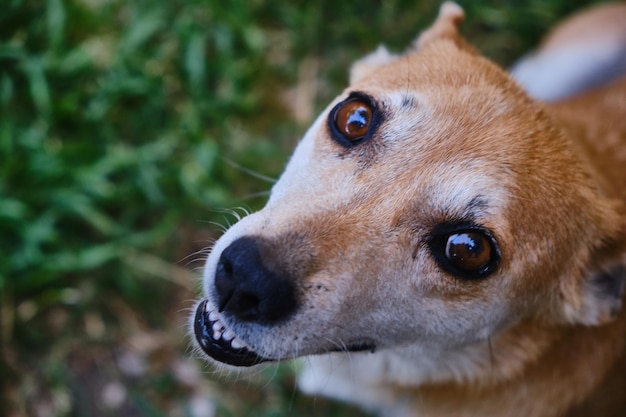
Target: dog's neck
<point x="480" y="378"/>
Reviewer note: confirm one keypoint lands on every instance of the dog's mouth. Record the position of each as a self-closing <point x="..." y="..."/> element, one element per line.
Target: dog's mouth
<point x="219" y="342"/>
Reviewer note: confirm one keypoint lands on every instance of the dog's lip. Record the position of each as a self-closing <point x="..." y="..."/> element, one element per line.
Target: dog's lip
<point x="365" y="345"/>
<point x="219" y="342"/>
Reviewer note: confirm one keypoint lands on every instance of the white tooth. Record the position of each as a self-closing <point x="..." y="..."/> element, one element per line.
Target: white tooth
<point x="217" y="335"/>
<point x="218" y="327"/>
<point x="208" y="307"/>
<point x="228" y="335"/>
<point x="237" y="344"/>
<point x="213" y="316"/>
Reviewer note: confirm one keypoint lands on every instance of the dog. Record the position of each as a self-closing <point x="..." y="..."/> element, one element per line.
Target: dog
<point x="439" y="244"/>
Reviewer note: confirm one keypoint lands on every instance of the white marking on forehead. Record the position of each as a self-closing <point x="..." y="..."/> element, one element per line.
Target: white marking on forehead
<point x="454" y="189"/>
<point x="407" y="113"/>
<point x="409" y="100"/>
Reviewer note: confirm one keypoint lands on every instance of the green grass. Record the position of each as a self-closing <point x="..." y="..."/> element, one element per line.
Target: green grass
<point x="124" y="127"/>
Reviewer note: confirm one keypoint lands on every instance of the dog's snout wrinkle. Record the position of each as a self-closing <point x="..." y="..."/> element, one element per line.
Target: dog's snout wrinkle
<point x="247" y="289"/>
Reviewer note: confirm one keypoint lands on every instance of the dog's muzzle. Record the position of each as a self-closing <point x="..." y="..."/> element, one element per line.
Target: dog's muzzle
<point x="246" y="291"/>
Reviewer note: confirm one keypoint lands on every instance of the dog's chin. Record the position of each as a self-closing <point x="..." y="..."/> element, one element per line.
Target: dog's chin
<point x="222" y="345"/>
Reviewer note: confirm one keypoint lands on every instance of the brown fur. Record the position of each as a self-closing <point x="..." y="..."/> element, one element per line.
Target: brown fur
<point x="544" y="335"/>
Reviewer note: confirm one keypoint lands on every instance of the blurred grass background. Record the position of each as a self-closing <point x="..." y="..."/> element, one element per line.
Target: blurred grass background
<point x="126" y="130"/>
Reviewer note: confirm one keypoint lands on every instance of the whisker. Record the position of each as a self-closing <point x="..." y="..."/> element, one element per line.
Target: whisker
<point x="256" y="195"/>
<point x="204" y="251"/>
<point x="250" y="172"/>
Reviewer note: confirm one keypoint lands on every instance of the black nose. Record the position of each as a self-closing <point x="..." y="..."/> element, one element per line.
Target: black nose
<point x="247" y="289"/>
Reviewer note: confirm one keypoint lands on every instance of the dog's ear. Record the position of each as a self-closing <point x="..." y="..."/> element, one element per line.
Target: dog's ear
<point x="367" y="64"/>
<point x="446" y="27"/>
<point x="594" y="297"/>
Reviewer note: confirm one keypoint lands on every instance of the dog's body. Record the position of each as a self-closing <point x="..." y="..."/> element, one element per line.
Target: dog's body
<point x="587" y="50"/>
<point x="470" y="237"/>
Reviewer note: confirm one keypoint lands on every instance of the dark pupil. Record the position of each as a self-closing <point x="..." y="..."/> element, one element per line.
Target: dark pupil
<point x="468" y="251"/>
<point x="353" y="119"/>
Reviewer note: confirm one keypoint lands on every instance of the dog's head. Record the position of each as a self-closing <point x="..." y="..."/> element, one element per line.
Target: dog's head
<point x="431" y="204"/>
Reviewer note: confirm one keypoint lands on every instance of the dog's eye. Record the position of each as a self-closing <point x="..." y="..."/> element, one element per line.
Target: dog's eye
<point x="467" y="253"/>
<point x="353" y="119"/>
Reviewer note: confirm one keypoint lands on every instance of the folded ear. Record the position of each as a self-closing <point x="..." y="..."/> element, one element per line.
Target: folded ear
<point x="446" y="27"/>
<point x="600" y="300"/>
<point x="595" y="297"/>
<point x="361" y="68"/>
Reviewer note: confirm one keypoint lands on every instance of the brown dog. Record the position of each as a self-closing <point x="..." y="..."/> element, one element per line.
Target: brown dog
<point x="440" y="244"/>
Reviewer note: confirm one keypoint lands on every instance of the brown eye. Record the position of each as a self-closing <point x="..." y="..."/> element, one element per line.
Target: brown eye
<point x="353" y="119"/>
<point x="464" y="250"/>
<point x="469" y="251"/>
